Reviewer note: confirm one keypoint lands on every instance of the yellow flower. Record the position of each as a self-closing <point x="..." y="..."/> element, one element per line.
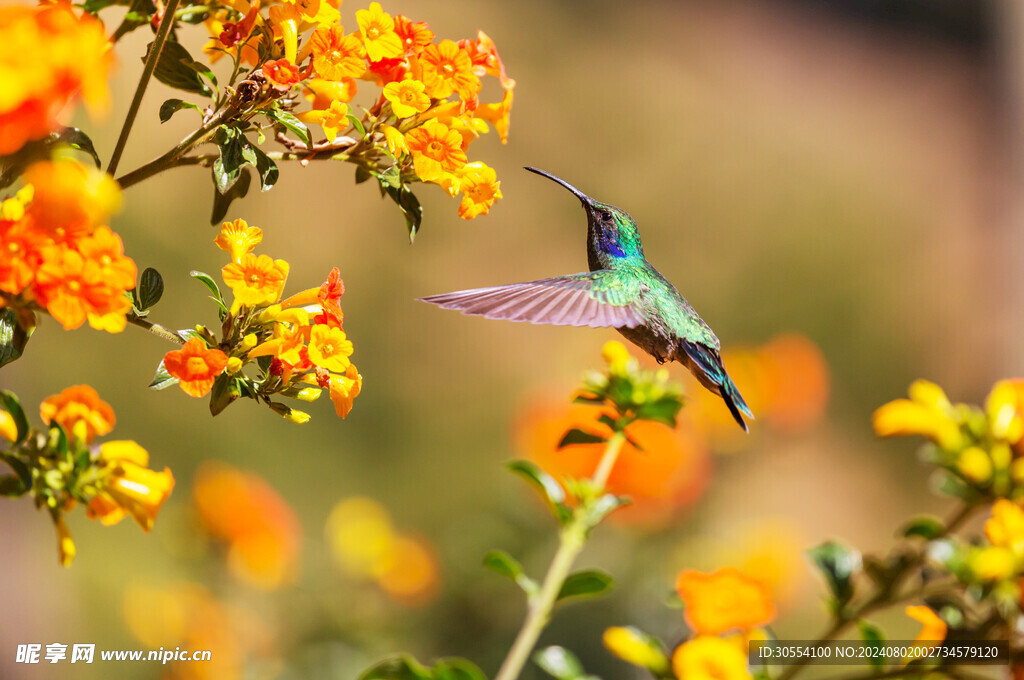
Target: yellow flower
<point x="332" y="119"/>
<point x="407" y="97"/>
<point x="130" y="487"/>
<point x="435" y="149"/>
<point x="65" y="544"/>
<point x="360" y="536"/>
<point x="329" y="348"/>
<point x="974" y="464"/>
<point x="8" y="429"/>
<point x="255" y="280"/>
<point x="616" y="356"/>
<point x="480" y="189"/>
<point x="933" y="629"/>
<point x="710" y="658"/>
<point x="238" y="238"/>
<point x="498" y="115"/>
<point x="285" y="19"/>
<point x="344" y="389"/>
<point x="1006" y="526"/>
<point x="395" y="141"/>
<point x="1003" y="407"/>
<point x="447" y="67"/>
<point x="634" y="647"/>
<point x="379" y="36"/>
<point x="927" y="413"/>
<point x="993" y="563"/>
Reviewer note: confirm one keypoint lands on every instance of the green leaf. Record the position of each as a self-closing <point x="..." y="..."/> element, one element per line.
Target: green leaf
<point x="76" y="139"/>
<point x="58" y="440"/>
<point x="925" y="526"/>
<point x="402" y="667"/>
<point x="225" y="390"/>
<point x="151" y="288"/>
<point x="289" y="121"/>
<point x="455" y="668"/>
<point x="500" y="562"/>
<point x="873" y="639"/>
<point x="392" y="177"/>
<point x="560" y="663"/>
<point x="9" y="402"/>
<point x="162" y="379"/>
<point x="207" y="281"/>
<point x="172" y="106"/>
<point x="661" y="411"/>
<point x="11" y="486"/>
<point x="604" y="506"/>
<point x="362" y="174"/>
<point x="20" y="469"/>
<point x="550" y="489"/>
<point x="838" y="564"/>
<point x="13" y="337"/>
<point x="222" y="202"/>
<point x="228" y="166"/>
<point x="578" y="436"/>
<point x="409" y="205"/>
<point x="174" y="69"/>
<point x="586" y="583"/>
<point x="264" y="165"/>
<point x="357" y="124"/>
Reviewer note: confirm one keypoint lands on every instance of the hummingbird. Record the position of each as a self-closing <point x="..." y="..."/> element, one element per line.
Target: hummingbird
<point x="622" y="290"/>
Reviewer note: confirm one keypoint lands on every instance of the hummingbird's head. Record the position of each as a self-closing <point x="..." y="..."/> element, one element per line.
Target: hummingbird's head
<point x="611" y="229"/>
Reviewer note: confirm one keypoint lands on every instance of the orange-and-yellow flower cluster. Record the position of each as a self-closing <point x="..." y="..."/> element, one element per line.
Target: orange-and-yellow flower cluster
<point x="724" y="610"/>
<point x="298" y="344"/>
<point x="48" y="55"/>
<point x="111" y="479"/>
<point x="57" y="255"/>
<point x="415" y="120"/>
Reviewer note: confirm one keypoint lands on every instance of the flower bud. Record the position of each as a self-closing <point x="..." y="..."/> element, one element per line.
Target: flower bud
<point x="308" y="394"/>
<point x="248" y="342"/>
<point x="234" y="365"/>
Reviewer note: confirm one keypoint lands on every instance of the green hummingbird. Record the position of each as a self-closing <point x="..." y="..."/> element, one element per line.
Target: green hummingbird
<point x="622" y="291"/>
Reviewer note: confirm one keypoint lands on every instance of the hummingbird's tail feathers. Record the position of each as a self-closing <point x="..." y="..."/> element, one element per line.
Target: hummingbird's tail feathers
<point x="561" y="301"/>
<point x="706" y="364"/>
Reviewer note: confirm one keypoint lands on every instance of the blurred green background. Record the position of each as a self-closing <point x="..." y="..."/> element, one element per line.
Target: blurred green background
<point x="842" y="170"/>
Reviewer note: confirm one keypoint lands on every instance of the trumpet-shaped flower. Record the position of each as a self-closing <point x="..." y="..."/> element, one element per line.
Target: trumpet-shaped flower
<point x="933" y="629"/>
<point x="498" y="115"/>
<point x="130" y="487"/>
<point x="78" y="404"/>
<point x="435" y="149"/>
<point x="407" y="97"/>
<point x="329" y="348"/>
<point x="344" y="389"/>
<point x="70" y="286"/>
<point x="337" y="56"/>
<point x="332" y="119"/>
<point x="415" y="35"/>
<point x="238" y="238"/>
<point x="282" y="74"/>
<point x="378" y="31"/>
<point x="105" y="248"/>
<point x="256" y="280"/>
<point x="480" y="189"/>
<point x="196" y="366"/>
<point x="448" y="68"/>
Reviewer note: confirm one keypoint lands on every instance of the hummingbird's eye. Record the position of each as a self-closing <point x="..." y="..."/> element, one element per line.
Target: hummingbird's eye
<point x="606" y="216"/>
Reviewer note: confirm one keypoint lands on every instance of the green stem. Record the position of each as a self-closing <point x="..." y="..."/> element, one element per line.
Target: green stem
<point x="571" y="541"/>
<point x="147" y="72"/>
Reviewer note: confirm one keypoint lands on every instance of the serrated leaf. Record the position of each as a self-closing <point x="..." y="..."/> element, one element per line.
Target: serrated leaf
<point x="151" y="288"/>
<point x="289" y="121"/>
<point x="550" y="489"/>
<point x="174" y="69"/>
<point x="76" y="139"/>
<point x="401" y="667"/>
<point x="586" y="583"/>
<point x="578" y="436"/>
<point x="500" y="562"/>
<point x="927" y="527"/>
<point x="222" y="202"/>
<point x="172" y="106"/>
<point x="560" y="663"/>
<point x="162" y="379"/>
<point x="9" y="402"/>
<point x="13" y="337"/>
<point x="873" y="639"/>
<point x="225" y="391"/>
<point x="838" y="564"/>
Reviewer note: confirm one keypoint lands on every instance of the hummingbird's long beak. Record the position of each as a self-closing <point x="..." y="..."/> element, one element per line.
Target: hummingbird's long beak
<point x="576" y="192"/>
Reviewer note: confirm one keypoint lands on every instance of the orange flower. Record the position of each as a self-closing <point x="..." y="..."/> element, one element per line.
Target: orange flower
<point x="282" y="74"/>
<point x="70" y="287"/>
<point x="378" y="31"/>
<point x="723" y="600"/>
<point x="671" y="472"/>
<point x="262" y="531"/>
<point x="795" y="382"/>
<point x="337" y="56"/>
<point x="435" y="150"/>
<point x="333" y="119"/>
<point x="195" y="366"/>
<point x="20" y="255"/>
<point x="344" y="389"/>
<point x="78" y="404"/>
<point x="447" y="67"/>
<point x="256" y="280"/>
<point x="329" y="348"/>
<point x="409" y="574"/>
<point x="70" y="198"/>
<point x="130" y="487"/>
<point x="498" y="115"/>
<point x="50" y="56"/>
<point x="480" y="189"/>
<point x="321" y="92"/>
<point x="238" y="238"/>
<point x="106" y="249"/>
<point x="933" y="629"/>
<point x="491" y="61"/>
<point x="415" y="35"/>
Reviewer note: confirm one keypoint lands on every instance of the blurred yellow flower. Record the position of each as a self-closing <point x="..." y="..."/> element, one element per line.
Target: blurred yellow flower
<point x="635" y="648"/>
<point x="1003" y="406"/>
<point x="410" y="575"/>
<point x="1006" y="525"/>
<point x="993" y="563"/>
<point x="70" y="197"/>
<point x="723" y="600"/>
<point x="710" y="658"/>
<point x="8" y="428"/>
<point x="129" y="486"/>
<point x="933" y="629"/>
<point x="974" y="464"/>
<point x="928" y="412"/>
<point x="65" y="544"/>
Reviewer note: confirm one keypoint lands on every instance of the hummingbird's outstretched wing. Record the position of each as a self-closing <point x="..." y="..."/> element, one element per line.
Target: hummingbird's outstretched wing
<point x="599" y="299"/>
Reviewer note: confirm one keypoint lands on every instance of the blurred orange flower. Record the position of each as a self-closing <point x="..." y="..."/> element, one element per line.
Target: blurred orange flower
<point x="933" y="629"/>
<point x="710" y="658"/>
<point x="79" y="404"/>
<point x="196" y="366"/>
<point x="670" y="473"/>
<point x="724" y="600"/>
<point x="261" y="530"/>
